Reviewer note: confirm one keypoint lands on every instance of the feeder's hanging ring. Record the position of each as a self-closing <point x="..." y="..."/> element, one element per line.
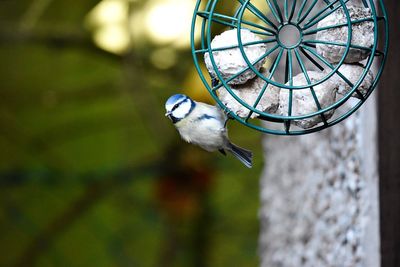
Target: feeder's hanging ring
<point x="304" y="17"/>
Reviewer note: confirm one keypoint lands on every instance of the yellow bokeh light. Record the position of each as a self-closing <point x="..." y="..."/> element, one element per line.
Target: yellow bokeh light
<point x="108" y="12"/>
<point x="116" y="28"/>
<point x="113" y="38"/>
<point x="108" y="20"/>
<point x="169" y="21"/>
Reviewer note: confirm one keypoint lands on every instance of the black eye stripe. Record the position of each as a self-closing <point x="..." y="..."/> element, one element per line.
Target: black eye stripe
<point x="178" y="104"/>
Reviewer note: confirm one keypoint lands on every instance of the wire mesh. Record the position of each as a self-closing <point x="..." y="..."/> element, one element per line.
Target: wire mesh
<point x="267" y="19"/>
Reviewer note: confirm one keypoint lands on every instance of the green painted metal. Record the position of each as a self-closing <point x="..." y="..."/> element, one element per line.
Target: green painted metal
<point x="304" y="15"/>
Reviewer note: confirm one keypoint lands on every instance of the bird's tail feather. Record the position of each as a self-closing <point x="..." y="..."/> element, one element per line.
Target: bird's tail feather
<point x="244" y="155"/>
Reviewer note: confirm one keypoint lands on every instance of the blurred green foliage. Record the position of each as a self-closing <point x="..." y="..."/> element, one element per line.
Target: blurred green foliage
<point x="91" y="172"/>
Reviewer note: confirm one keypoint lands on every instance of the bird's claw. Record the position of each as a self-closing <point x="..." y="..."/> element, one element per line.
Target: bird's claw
<point x="228" y="117"/>
<point x="214" y="82"/>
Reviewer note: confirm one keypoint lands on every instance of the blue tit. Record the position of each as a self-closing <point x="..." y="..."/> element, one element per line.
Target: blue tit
<point x="203" y="125"/>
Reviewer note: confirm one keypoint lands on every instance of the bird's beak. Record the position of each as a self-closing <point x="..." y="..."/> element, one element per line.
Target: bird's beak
<point x="168" y="114"/>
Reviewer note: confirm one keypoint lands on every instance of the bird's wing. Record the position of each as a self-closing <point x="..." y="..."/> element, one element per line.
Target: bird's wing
<point x="210" y="116"/>
<point x="212" y="110"/>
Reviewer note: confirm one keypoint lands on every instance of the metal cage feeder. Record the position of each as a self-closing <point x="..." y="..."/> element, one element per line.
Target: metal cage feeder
<point x="267" y="19"/>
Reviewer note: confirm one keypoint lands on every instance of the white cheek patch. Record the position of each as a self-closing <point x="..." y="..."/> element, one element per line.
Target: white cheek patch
<point x="183" y="109"/>
<point x="168" y="107"/>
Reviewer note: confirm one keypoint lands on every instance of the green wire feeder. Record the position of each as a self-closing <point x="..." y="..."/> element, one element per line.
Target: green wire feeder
<point x="301" y="58"/>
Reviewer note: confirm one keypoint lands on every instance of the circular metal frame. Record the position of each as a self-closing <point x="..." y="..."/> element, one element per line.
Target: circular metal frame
<point x="299" y="39"/>
<point x="207" y="21"/>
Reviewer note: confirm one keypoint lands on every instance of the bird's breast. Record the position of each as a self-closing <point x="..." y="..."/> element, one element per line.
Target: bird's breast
<point x="208" y="133"/>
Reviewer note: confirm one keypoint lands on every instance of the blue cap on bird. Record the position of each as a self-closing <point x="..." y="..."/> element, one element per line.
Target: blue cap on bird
<point x="174" y="100"/>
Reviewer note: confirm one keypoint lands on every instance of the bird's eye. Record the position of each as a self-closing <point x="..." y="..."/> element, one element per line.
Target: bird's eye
<point x="176" y="105"/>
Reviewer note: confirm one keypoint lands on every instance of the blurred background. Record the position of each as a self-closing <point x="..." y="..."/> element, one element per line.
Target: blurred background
<point x="91" y="172"/>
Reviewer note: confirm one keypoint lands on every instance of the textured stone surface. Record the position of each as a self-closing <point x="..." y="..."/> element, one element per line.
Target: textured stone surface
<point x="353" y="74"/>
<point x="362" y="35"/>
<point x="249" y="93"/>
<point x="355" y="3"/>
<point x="319" y="197"/>
<point x="303" y="102"/>
<point x="231" y="61"/>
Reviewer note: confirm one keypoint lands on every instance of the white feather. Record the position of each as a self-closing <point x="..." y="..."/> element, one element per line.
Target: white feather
<point x="208" y="133"/>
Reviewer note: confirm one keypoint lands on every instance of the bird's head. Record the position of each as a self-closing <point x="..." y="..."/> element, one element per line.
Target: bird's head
<point x="178" y="107"/>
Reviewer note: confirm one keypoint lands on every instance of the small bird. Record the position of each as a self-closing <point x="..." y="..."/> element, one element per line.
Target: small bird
<point x="203" y="125"/>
